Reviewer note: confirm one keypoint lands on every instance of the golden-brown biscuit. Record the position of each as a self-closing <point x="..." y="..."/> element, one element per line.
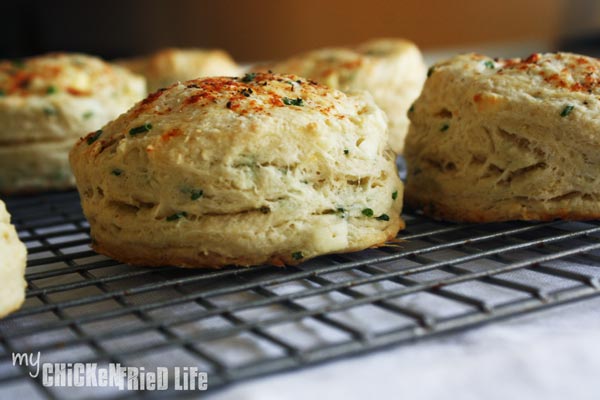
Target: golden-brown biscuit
<point x="260" y="169"/>
<point x="495" y="140"/>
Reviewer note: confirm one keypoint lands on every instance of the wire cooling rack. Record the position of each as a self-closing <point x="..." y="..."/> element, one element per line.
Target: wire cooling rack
<point x="238" y="323"/>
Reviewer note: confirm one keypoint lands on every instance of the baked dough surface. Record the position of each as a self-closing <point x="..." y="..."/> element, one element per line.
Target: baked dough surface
<point x="259" y="169"/>
<point x="13" y="258"/>
<point x="495" y="140"/>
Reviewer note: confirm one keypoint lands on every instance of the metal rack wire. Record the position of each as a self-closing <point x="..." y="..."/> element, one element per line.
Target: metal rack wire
<point x="238" y="323"/>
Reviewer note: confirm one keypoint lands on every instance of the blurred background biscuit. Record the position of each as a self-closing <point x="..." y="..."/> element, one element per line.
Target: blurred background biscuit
<point x="46" y="103"/>
<point x="392" y="70"/>
<point x="171" y="65"/>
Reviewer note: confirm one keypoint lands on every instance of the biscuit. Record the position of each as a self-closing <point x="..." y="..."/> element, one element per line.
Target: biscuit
<point x="13" y="258"/>
<point x="507" y="139"/>
<point x="171" y="65"/>
<point x="46" y="104"/>
<point x="41" y="165"/>
<point x="261" y="169"/>
<point x="392" y="70"/>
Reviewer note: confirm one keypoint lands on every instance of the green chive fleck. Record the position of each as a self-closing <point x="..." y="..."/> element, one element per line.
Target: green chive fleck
<point x="140" y="129"/>
<point x="176" y="216"/>
<point x="94" y="137"/>
<point x="444" y="128"/>
<point x="430" y="71"/>
<point x="51" y="89"/>
<point x="367" y="212"/>
<point x="2" y="93"/>
<point x="117" y="172"/>
<point x="49" y="111"/>
<point x="395" y="195"/>
<point x="341" y="211"/>
<point x="383" y="217"/>
<point x="196" y="194"/>
<point x="87" y="114"/>
<point x="249" y="77"/>
<point x="293" y="102"/>
<point x="346" y="151"/>
<point x="297" y="255"/>
<point x="411" y="109"/>
<point x="567" y="110"/>
<point x="489" y="64"/>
